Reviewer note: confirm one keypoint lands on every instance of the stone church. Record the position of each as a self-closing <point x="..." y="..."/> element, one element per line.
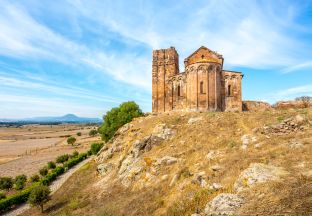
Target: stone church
<point x="203" y="86"/>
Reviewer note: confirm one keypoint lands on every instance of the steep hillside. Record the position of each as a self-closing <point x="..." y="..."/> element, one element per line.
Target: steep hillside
<point x="207" y="163"/>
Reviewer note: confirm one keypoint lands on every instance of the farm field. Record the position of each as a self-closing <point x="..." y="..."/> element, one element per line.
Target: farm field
<point x="25" y="149"/>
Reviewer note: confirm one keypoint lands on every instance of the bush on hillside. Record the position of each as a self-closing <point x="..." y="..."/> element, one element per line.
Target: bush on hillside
<point x="52" y="175"/>
<point x="35" y="178"/>
<point x="20" y="181"/>
<point x="71" y="140"/>
<point x="74" y="154"/>
<point x="62" y="158"/>
<point x="93" y="132"/>
<point x="6" y="183"/>
<point x="96" y="147"/>
<point x="117" y="117"/>
<point x="78" y="133"/>
<point x="51" y="165"/>
<point x="16" y="199"/>
<point x="43" y="171"/>
<point x="72" y="162"/>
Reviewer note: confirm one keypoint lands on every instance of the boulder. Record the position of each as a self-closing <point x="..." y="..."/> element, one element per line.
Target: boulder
<point x="200" y="179"/>
<point x="299" y="119"/>
<point x="163" y="131"/>
<point x="224" y="204"/>
<point x="104" y="156"/>
<point x="104" y="168"/>
<point x="258" y="173"/>
<point x="214" y="154"/>
<point x="215" y="186"/>
<point x="167" y="160"/>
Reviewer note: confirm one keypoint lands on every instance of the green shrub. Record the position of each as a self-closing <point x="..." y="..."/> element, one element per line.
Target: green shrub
<point x="74" y="154"/>
<point x="51" y="165"/>
<point x="117" y="117"/>
<point x="89" y="153"/>
<point x="6" y="183"/>
<point x="16" y="199"/>
<point x="96" y="147"/>
<point x="20" y="181"/>
<point x="52" y="175"/>
<point x="93" y="133"/>
<point x="39" y="196"/>
<point x="71" y="140"/>
<point x="2" y="195"/>
<point x="78" y="133"/>
<point x="62" y="158"/>
<point x="72" y="162"/>
<point x="35" y="178"/>
<point x="43" y="171"/>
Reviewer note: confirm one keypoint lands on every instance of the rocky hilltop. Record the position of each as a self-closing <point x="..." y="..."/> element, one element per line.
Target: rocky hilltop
<point x="212" y="163"/>
<point x="249" y="163"/>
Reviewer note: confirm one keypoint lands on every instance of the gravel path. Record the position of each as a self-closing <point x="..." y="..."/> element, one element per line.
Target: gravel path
<point x="54" y="187"/>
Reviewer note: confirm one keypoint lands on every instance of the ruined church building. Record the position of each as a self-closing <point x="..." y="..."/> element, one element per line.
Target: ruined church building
<point x="204" y="86"/>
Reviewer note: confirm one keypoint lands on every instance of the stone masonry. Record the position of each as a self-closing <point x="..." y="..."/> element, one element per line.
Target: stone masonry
<point x="204" y="86"/>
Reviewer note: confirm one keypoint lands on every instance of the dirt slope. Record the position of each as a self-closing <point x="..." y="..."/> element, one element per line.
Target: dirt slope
<point x="207" y="163"/>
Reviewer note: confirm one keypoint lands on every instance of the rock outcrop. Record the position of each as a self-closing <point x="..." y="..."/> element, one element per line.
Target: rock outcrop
<point x="255" y="106"/>
<point x="258" y="173"/>
<point x="288" y="125"/>
<point x="224" y="204"/>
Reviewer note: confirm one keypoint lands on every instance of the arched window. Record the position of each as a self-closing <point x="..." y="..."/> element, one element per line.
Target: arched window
<point x="229" y="92"/>
<point x="179" y="91"/>
<point x="201" y="87"/>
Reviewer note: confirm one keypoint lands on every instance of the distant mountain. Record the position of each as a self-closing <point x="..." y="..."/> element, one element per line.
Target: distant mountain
<point x="69" y="118"/>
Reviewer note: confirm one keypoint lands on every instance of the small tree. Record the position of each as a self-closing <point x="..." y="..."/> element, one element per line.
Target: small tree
<point x="35" y="178"/>
<point x="78" y="133"/>
<point x="43" y="171"/>
<point x="96" y="147"/>
<point x="71" y="140"/>
<point x="20" y="181"/>
<point x="117" y="117"/>
<point x="51" y="165"/>
<point x="39" y="196"/>
<point x="6" y="183"/>
<point x="93" y="132"/>
<point x="62" y="158"/>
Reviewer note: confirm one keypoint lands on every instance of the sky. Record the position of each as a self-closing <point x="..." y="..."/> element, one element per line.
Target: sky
<point x="85" y="57"/>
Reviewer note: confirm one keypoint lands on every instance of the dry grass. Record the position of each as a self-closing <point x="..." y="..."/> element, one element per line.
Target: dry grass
<point x="85" y="193"/>
<point x="24" y="150"/>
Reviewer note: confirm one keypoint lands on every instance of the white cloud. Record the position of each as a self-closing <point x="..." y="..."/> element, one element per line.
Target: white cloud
<point x="297" y="67"/>
<point x="61" y="91"/>
<point x="23" y="37"/>
<point x="290" y="93"/>
<point x="247" y="33"/>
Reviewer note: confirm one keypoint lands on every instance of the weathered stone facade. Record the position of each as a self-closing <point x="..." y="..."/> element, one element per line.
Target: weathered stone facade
<point x="204" y="86"/>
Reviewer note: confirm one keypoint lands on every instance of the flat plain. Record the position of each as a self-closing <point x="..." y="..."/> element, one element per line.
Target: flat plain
<point x="25" y="149"/>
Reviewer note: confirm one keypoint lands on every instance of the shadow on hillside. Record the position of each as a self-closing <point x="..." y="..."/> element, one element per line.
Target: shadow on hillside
<point x="55" y="207"/>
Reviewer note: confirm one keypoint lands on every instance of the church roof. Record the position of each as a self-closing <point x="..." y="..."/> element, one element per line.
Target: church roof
<point x="203" y="47"/>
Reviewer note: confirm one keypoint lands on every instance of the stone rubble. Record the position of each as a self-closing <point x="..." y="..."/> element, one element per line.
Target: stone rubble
<point x="224" y="204"/>
<point x="289" y="125"/>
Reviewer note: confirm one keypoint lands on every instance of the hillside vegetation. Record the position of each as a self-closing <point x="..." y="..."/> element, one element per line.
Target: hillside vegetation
<point x="250" y="163"/>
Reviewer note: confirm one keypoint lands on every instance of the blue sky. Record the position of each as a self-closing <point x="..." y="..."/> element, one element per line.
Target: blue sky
<point x="85" y="57"/>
